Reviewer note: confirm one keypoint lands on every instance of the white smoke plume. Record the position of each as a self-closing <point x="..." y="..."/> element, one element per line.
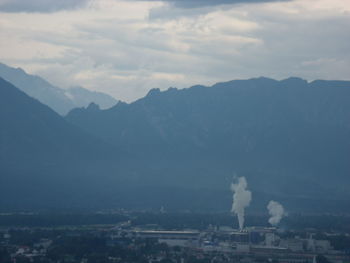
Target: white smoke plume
<point x="276" y="212"/>
<point x="241" y="199"/>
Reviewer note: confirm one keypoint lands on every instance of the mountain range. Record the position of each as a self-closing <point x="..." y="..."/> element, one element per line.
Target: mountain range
<point x="287" y="137"/>
<point x="60" y="100"/>
<point x="181" y="149"/>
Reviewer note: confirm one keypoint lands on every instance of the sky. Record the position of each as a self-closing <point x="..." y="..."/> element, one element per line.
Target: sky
<point x="127" y="47"/>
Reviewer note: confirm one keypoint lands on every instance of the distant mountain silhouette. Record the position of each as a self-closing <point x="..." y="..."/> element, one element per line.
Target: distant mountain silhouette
<point x="181" y="148"/>
<point x="58" y="99"/>
<point x="289" y="137"/>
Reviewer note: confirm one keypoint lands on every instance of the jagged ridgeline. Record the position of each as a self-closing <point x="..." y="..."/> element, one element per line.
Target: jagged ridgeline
<point x="180" y="148"/>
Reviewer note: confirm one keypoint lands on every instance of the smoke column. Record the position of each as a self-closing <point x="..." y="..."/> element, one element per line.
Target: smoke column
<point x="276" y="212"/>
<point x="241" y="199"/>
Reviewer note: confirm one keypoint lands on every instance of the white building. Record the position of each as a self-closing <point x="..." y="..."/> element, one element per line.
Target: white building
<point x="322" y="246"/>
<point x="270" y="239"/>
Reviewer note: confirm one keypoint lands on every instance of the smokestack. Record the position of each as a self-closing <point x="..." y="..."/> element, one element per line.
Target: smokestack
<point x="241" y="199"/>
<point x="276" y="212"/>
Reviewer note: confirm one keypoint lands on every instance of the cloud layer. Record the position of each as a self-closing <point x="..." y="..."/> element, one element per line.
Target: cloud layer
<point x="55" y="5"/>
<point x="127" y="47"/>
<point x="40" y="5"/>
<point x="204" y="3"/>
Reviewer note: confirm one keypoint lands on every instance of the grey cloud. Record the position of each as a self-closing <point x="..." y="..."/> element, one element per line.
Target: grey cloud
<point x="39" y="6"/>
<point x="206" y="3"/>
<point x="44" y="6"/>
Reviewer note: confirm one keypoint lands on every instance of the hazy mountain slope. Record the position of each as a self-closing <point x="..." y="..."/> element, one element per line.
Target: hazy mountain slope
<point x="58" y="99"/>
<point x="288" y="137"/>
<point x="43" y="159"/>
<point x="30" y="128"/>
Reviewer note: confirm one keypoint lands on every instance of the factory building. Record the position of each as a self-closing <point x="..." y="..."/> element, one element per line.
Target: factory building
<point x="240" y="237"/>
<point x="172" y="238"/>
<point x="254" y="235"/>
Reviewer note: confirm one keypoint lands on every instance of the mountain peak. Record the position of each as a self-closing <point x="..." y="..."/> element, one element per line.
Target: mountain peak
<point x="153" y="92"/>
<point x="93" y="107"/>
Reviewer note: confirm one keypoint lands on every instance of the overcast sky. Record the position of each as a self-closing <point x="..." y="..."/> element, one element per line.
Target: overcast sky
<point x="126" y="47"/>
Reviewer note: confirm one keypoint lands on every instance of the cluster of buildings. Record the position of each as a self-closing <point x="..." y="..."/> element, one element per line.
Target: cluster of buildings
<point x="252" y="242"/>
<point x="36" y="251"/>
<point x="215" y="244"/>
